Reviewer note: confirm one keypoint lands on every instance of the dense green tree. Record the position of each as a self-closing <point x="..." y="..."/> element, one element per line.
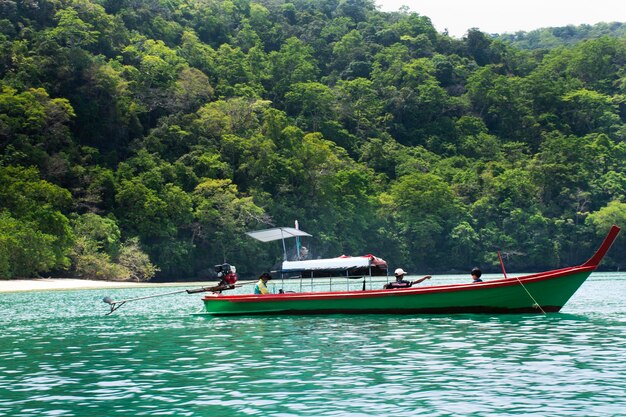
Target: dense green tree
<point x="479" y="47"/>
<point x="97" y="244"/>
<point x="602" y="220"/>
<point x="222" y="216"/>
<point x="72" y="31"/>
<point x="360" y="108"/>
<point x="598" y="63"/>
<point x="100" y="233"/>
<point x="351" y="48"/>
<point x="502" y="102"/>
<point x="158" y="132"/>
<point x="34" y="207"/>
<point x="589" y="111"/>
<point x="24" y="249"/>
<point x="552" y="37"/>
<point x="294" y="63"/>
<point x="424" y="210"/>
<point x="313" y="103"/>
<point x="33" y="125"/>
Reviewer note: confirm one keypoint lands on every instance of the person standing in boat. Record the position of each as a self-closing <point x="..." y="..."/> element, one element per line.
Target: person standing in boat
<point x="261" y="286"/>
<point x="476" y="273"/>
<point x="400" y="282"/>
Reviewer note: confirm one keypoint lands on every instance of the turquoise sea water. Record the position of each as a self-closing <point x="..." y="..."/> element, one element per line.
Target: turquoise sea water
<point x="61" y="356"/>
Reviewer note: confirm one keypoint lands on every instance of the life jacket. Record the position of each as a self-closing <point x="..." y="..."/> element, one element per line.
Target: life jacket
<point x="261" y="288"/>
<point x="398" y="284"/>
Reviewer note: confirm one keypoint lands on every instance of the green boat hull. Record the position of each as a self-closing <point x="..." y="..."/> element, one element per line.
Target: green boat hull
<point x="537" y="293"/>
<point x="495" y="297"/>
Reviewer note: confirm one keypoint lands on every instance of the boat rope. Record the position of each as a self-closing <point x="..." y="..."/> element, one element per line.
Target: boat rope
<point x="531" y="296"/>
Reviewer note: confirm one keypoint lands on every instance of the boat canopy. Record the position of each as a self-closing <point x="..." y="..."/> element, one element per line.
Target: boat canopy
<point x="267" y="235"/>
<point x="346" y="265"/>
<point x="351" y="264"/>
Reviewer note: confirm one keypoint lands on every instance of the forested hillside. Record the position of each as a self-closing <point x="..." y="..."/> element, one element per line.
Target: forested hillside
<point x="548" y="38"/>
<point x="144" y="134"/>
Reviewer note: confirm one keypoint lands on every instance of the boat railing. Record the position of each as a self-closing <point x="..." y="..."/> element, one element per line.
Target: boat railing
<point x="311" y="283"/>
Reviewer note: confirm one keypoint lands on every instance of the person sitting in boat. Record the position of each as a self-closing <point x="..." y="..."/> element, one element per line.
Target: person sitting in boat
<point x="400" y="282"/>
<point x="261" y="286"/>
<point x="476" y="273"/>
<point x="304" y="253"/>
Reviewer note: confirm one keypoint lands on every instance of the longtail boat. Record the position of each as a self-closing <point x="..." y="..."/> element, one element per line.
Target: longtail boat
<point x="535" y="293"/>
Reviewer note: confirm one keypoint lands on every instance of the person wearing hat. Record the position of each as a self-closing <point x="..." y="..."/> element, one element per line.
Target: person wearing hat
<point x="400" y="282"/>
<point x="261" y="286"/>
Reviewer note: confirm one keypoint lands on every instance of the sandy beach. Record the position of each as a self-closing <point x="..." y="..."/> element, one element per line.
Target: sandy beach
<point x="46" y="284"/>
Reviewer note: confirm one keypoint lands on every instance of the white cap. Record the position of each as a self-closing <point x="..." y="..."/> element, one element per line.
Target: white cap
<point x="233" y="269"/>
<point x="399" y="271"/>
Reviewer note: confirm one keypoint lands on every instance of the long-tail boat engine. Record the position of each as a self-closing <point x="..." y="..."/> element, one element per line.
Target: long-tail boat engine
<point x="227" y="274"/>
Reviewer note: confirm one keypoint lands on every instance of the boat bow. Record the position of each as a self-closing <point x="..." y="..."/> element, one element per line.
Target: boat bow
<point x="597" y="257"/>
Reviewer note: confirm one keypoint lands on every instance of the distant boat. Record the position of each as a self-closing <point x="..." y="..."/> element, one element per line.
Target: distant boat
<point x="543" y="292"/>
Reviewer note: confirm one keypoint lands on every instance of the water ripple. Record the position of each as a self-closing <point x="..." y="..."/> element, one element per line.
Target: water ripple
<point x="64" y="358"/>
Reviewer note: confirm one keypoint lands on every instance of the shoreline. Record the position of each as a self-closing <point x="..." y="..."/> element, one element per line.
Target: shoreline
<point x="53" y="284"/>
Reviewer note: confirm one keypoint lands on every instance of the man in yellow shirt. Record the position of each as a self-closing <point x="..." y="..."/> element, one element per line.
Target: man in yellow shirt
<point x="261" y="286"/>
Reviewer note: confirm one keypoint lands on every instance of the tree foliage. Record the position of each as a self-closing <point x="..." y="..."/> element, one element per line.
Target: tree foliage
<point x="552" y="37"/>
<point x="144" y="138"/>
